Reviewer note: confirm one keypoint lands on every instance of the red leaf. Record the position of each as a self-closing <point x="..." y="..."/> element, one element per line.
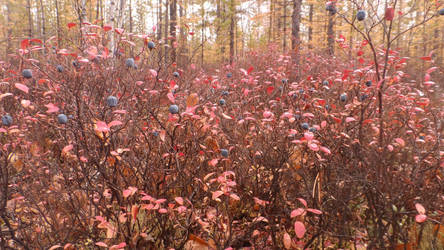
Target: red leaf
<point x="303" y="202"/>
<point x="325" y="150"/>
<point x="101" y="244"/>
<point x="420" y="218"/>
<point x="35" y="40"/>
<point x="172" y="84"/>
<point x="400" y="141"/>
<point x="51" y="108"/>
<point x="270" y="90"/>
<point x="114" y="123"/>
<point x="22" y="87"/>
<point x="429" y="71"/>
<point x="107" y="28"/>
<point x="153" y="72"/>
<point x="297" y="212"/>
<point x="315" y="211"/>
<point x="420" y="208"/>
<point x="313" y="146"/>
<point x="287" y="240"/>
<point x="308" y="136"/>
<point x="134" y="211"/>
<point x="171" y="97"/>
<point x="118" y="31"/>
<point x="130" y="191"/>
<point x="426" y="58"/>
<point x="66" y="149"/>
<point x="101" y="126"/>
<point x="213" y="162"/>
<point x="389" y="14"/>
<point x="217" y="194"/>
<point x="70" y="25"/>
<point x="250" y="70"/>
<point x="179" y="200"/>
<point x="24" y="44"/>
<point x="299" y="228"/>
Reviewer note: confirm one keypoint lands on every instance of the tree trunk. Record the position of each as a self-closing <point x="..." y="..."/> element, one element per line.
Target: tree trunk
<point x="59" y="38"/>
<point x="202" y="34"/>
<point x="43" y="21"/>
<point x="270" y="28"/>
<point x="110" y="21"/>
<point x="28" y="7"/>
<point x="310" y="27"/>
<point x="166" y="31"/>
<point x="173" y="23"/>
<point x="295" y="26"/>
<point x="130" y="16"/>
<point x="331" y="35"/>
<point x="284" y="42"/>
<point x="183" y="49"/>
<point x="218" y="25"/>
<point x="121" y="16"/>
<point x="232" y="24"/>
<point x="97" y="9"/>
<point x="8" y="29"/>
<point x="159" y="21"/>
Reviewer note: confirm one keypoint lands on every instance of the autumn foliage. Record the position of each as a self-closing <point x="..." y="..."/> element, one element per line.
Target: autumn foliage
<point x="295" y="155"/>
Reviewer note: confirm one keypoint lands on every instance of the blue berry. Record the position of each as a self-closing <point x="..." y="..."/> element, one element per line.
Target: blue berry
<point x="229" y="75"/>
<point x="361" y="15"/>
<point x="363" y="97"/>
<point x="151" y="45"/>
<point x="112" y="101"/>
<point x="368" y="83"/>
<point x="174" y="109"/>
<point x="225" y="93"/>
<point x="60" y="68"/>
<point x="130" y="63"/>
<point x="176" y="74"/>
<point x="305" y="126"/>
<point x="343" y="97"/>
<point x="27" y="73"/>
<point x="7" y="120"/>
<point x="222" y="102"/>
<point x="312" y="129"/>
<point x="325" y="83"/>
<point x="224" y="152"/>
<point x="62" y="118"/>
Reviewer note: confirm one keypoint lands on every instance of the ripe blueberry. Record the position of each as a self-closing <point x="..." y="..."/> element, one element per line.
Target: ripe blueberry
<point x="7" y="120"/>
<point x="111" y="101"/>
<point x="361" y="15"/>
<point x="27" y="73"/>
<point x="62" y="118"/>
<point x="224" y="152"/>
<point x="368" y="83"/>
<point x="60" y="68"/>
<point x="130" y="63"/>
<point x="174" y="109"/>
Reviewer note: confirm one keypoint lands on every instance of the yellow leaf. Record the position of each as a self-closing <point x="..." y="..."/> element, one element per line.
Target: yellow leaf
<point x="192" y="100"/>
